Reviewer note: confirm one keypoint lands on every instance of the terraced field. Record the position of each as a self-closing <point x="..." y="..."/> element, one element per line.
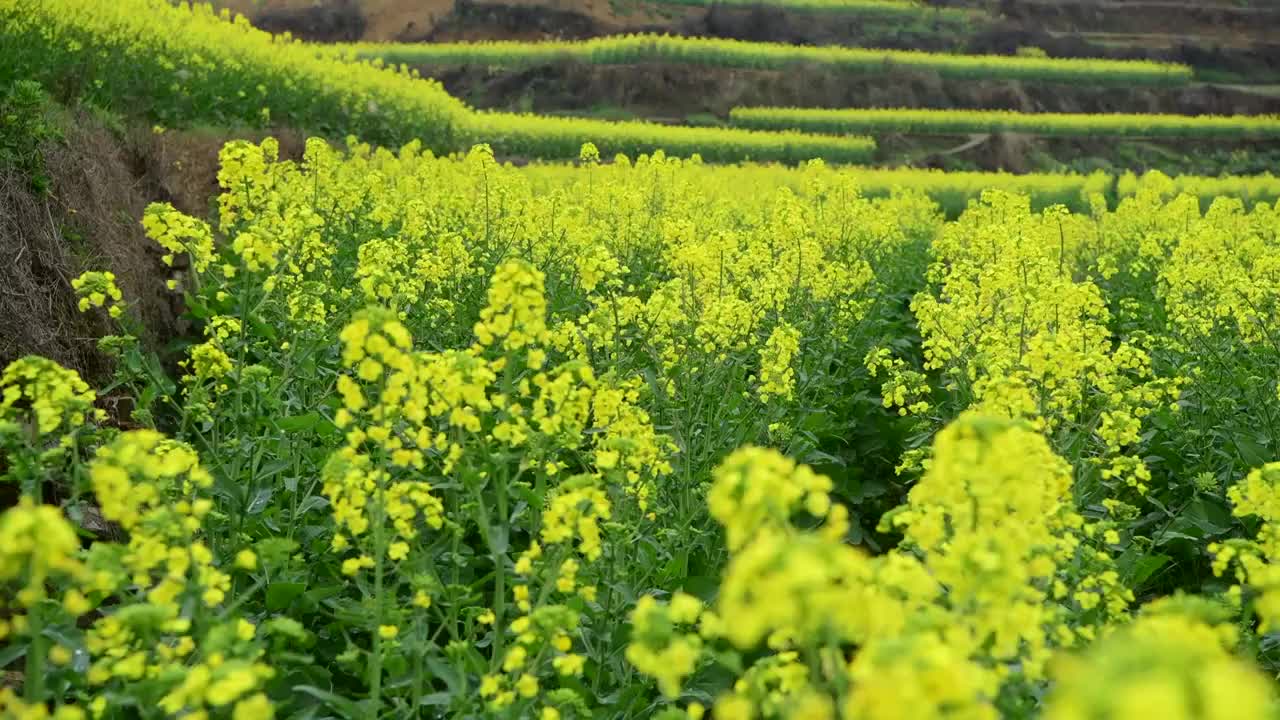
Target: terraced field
<point x="330" y="392"/>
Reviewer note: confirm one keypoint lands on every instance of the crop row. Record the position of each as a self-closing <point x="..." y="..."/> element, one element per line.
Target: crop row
<point x="954" y="192"/>
<point x="714" y="52"/>
<point x="1251" y="189"/>
<point x="954" y="122"/>
<point x="538" y="136"/>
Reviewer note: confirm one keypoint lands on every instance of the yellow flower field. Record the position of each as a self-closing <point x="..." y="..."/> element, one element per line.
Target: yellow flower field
<point x="604" y="440"/>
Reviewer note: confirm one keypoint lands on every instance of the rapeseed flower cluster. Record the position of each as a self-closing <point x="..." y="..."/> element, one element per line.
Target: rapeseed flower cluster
<point x="11" y="705"/>
<point x="1255" y="561"/>
<point x="1162" y="666"/>
<point x="926" y="671"/>
<point x="156" y="490"/>
<point x="384" y="410"/>
<point x="1220" y="273"/>
<point x="141" y="641"/>
<point x="1016" y="334"/>
<point x="40" y="551"/>
<point x="903" y="388"/>
<point x="179" y="234"/>
<point x="777" y="376"/>
<point x="757" y="491"/>
<point x="995" y="570"/>
<point x="98" y="290"/>
<point x="43" y="399"/>
<point x="658" y="647"/>
<point x="994" y="518"/>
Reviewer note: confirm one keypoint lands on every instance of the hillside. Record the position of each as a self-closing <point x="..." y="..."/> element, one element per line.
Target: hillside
<point x="1227" y="36"/>
<point x="1235" y="57"/>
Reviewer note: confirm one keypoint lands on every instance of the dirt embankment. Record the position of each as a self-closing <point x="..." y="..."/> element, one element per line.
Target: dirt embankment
<point x="475" y="21"/>
<point x="1220" y="22"/>
<point x="438" y="20"/>
<point x="1241" y="40"/>
<point x="89" y="220"/>
<point x="332" y="20"/>
<point x="1238" y="53"/>
<point x="338" y="21"/>
<point x="100" y="182"/>
<point x="676" y="91"/>
<point x="1259" y="59"/>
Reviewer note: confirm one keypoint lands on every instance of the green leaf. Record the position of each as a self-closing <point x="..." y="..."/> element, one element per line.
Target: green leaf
<point x="1168" y="536"/>
<point x="677" y="567"/>
<point x="344" y="706"/>
<point x="447" y="673"/>
<point x="300" y="423"/>
<point x="1139" y="567"/>
<point x="312" y="422"/>
<point x="312" y="503"/>
<point x="10" y="654"/>
<point x="436" y="699"/>
<point x="1210" y="517"/>
<point x="703" y="587"/>
<point x="281" y="594"/>
<point x="1253" y="453"/>
<point x="260" y="501"/>
<point x="263" y="329"/>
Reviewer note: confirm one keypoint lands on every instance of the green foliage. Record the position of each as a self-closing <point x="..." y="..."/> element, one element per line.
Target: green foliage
<point x="402" y="557"/>
<point x="954" y="191"/>
<point x="25" y="125"/>
<point x="465" y="439"/>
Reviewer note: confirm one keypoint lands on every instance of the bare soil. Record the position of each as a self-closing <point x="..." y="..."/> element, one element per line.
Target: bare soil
<point x="101" y="181"/>
<point x="1226" y="23"/>
<point x="672" y="90"/>
<point x="414" y="20"/>
<point x="89" y="221"/>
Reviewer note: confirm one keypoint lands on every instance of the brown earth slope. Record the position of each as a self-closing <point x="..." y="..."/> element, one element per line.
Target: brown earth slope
<point x="657" y="90"/>
<point x="100" y="181"/>
<point x="410" y="20"/>
<point x="89" y="220"/>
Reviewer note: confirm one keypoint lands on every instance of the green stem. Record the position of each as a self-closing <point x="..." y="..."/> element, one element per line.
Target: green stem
<point x="244" y="597"/>
<point x="375" y="659"/>
<point x="36" y="651"/>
